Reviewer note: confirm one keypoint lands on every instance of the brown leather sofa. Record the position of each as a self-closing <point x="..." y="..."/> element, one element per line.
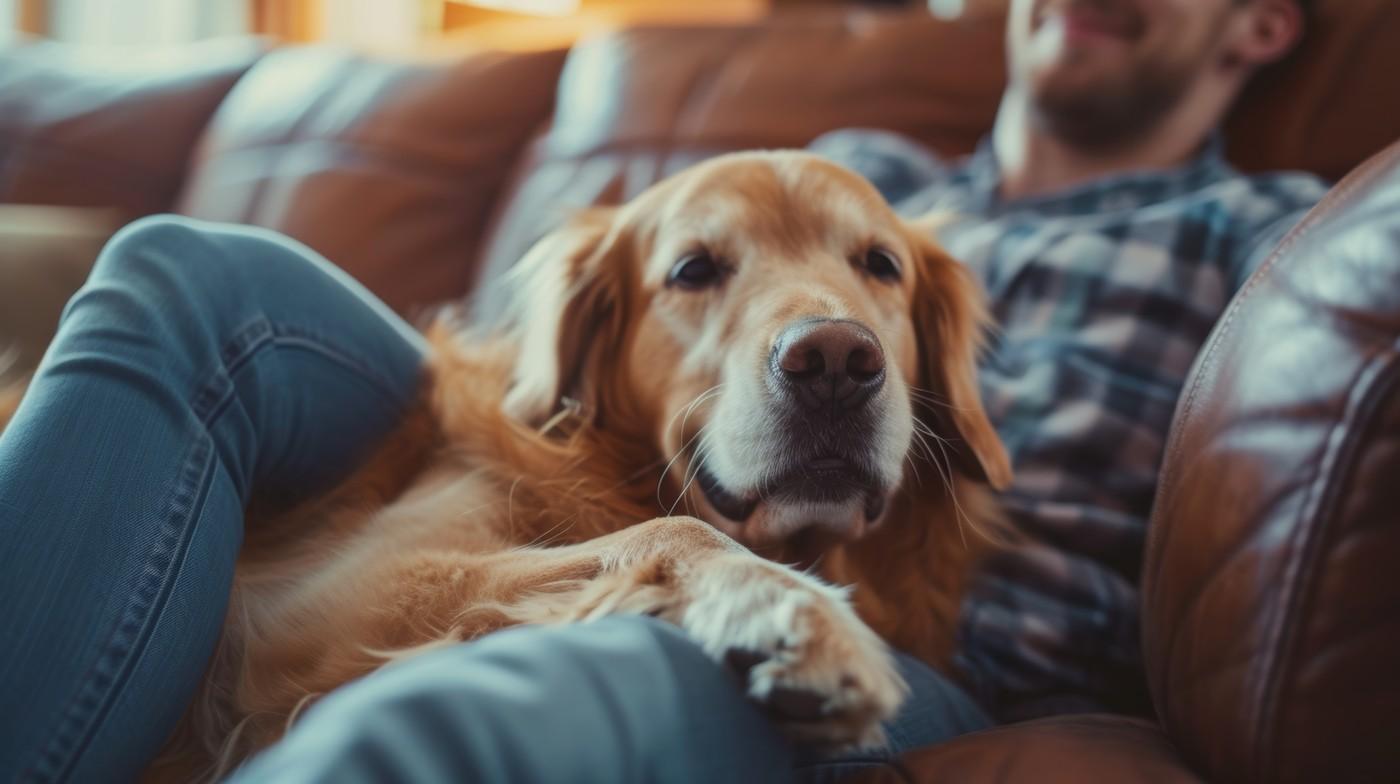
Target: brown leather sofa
<point x="1271" y="623"/>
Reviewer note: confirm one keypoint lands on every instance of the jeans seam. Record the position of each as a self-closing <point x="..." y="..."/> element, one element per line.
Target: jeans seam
<point x="260" y="333"/>
<point x="85" y="712"/>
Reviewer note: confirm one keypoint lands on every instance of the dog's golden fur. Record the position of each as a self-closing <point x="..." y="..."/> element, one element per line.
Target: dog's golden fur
<point x="494" y="505"/>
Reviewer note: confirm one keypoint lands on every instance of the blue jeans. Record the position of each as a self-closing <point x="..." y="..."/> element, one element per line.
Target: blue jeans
<point x="198" y="363"/>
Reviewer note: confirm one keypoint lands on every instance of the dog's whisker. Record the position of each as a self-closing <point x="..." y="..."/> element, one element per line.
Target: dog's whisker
<point x="945" y="470"/>
<point x="707" y="395"/>
<point x="921" y="436"/>
<point x="563" y="528"/>
<point x="912" y="456"/>
<point x="627" y="480"/>
<point x="922" y="427"/>
<point x="544" y="540"/>
<point x="933" y="398"/>
<point x="926" y="392"/>
<point x="702" y="451"/>
<point x="693" y="472"/>
<point x="510" y="504"/>
<point x="686" y="409"/>
<point x="662" y="479"/>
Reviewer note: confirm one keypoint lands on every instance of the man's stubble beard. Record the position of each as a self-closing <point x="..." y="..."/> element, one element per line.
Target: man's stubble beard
<point x="1116" y="114"/>
<point x="1109" y="117"/>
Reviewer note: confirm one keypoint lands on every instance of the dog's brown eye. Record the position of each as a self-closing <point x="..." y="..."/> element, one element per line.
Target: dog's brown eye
<point x="881" y="264"/>
<point x="696" y="271"/>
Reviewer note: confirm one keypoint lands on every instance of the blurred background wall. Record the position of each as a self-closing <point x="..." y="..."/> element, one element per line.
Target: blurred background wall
<point x="509" y="24"/>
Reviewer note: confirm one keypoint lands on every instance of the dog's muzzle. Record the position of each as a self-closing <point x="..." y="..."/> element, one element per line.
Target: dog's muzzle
<point x="824" y="378"/>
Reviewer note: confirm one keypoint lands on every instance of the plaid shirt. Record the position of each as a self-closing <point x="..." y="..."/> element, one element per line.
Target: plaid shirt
<point x="1103" y="295"/>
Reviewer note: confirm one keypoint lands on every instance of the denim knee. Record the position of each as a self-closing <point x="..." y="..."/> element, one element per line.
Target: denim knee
<point x="157" y="271"/>
<point x="134" y="252"/>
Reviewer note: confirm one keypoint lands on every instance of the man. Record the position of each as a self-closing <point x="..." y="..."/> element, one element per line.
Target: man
<point x="1101" y="220"/>
<point x="1109" y="234"/>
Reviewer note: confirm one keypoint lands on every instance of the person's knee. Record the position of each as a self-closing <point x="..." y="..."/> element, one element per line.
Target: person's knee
<point x="154" y="270"/>
<point x="150" y="245"/>
<point x="180" y="276"/>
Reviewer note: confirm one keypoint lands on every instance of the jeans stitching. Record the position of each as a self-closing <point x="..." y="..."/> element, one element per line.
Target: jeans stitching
<point x="85" y="713"/>
<point x="260" y="333"/>
<point x="286" y="336"/>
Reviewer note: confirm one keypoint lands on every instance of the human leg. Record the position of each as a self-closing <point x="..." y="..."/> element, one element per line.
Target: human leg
<point x="619" y="700"/>
<point x="623" y="699"/>
<point x="197" y="363"/>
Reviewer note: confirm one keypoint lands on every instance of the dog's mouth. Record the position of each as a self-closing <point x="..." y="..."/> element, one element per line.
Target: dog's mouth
<point x="726" y="503"/>
<point x="815" y="481"/>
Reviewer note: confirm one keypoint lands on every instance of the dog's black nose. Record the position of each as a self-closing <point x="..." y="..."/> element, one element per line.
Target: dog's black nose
<point x="829" y="363"/>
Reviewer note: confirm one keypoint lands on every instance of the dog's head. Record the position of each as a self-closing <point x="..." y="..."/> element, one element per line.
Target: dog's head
<point x="786" y="341"/>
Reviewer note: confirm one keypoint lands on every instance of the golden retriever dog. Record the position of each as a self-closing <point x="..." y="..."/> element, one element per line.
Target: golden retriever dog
<point x="752" y="384"/>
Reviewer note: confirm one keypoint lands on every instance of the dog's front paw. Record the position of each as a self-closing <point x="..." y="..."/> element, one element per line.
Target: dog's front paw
<point x="822" y="674"/>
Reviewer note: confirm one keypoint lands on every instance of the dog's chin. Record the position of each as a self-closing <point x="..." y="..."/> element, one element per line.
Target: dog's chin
<point x="813" y="506"/>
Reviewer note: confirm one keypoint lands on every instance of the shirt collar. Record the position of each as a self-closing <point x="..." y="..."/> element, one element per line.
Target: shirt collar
<point x="1130" y="190"/>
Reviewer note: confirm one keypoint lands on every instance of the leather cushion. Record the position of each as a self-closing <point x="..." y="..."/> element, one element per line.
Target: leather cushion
<point x="386" y="167"/>
<point x="1061" y="750"/>
<point x="108" y="129"/>
<point x="1270" y="585"/>
<point x="642" y="103"/>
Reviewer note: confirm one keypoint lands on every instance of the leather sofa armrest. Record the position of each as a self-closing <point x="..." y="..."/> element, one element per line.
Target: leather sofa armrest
<point x="45" y="255"/>
<point x="1059" y="750"/>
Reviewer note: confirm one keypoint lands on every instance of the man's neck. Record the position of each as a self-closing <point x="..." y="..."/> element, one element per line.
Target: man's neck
<point x="1034" y="162"/>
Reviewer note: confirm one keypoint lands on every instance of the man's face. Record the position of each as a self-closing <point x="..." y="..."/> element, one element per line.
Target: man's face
<point x="1101" y="72"/>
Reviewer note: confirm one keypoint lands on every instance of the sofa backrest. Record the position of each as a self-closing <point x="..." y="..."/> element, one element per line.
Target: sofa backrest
<point x="108" y="129"/>
<point x="641" y="103"/>
<point x="393" y="169"/>
<point x="389" y="168"/>
<point x="1270" y="586"/>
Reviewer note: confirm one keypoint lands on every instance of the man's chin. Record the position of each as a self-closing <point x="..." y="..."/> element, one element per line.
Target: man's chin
<point x="1098" y="115"/>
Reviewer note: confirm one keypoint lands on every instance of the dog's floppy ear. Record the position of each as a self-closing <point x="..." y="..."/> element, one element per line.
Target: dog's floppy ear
<point x="567" y="313"/>
<point x="950" y="318"/>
